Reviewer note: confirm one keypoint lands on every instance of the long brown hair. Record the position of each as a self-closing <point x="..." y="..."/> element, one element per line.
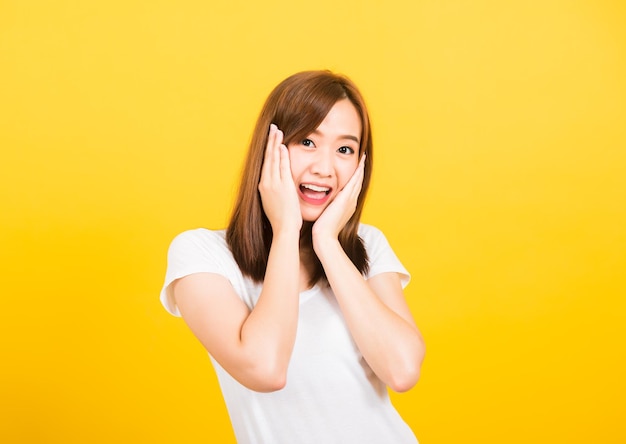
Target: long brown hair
<point x="297" y="106"/>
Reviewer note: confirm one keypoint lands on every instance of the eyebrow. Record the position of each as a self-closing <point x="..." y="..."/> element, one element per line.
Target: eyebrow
<point x="342" y="137"/>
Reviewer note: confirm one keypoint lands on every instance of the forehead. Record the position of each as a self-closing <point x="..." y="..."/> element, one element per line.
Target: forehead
<point x="343" y="119"/>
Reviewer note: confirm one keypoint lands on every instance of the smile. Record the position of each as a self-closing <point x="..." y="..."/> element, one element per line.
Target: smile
<point x="314" y="188"/>
<point x="315" y="194"/>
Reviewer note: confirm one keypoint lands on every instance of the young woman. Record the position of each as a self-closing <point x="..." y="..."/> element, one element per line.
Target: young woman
<point x="299" y="305"/>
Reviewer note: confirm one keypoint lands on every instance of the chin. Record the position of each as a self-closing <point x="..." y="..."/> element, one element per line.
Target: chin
<point x="311" y="216"/>
<point x="310" y="219"/>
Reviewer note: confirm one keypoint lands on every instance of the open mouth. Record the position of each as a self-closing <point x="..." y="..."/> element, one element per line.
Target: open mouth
<point x="314" y="191"/>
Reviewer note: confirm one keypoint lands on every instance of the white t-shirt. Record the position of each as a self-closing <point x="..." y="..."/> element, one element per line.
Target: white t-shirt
<point x="331" y="394"/>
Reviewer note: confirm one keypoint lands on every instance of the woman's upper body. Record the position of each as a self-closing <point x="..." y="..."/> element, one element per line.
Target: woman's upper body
<point x="331" y="395"/>
<point x="296" y="228"/>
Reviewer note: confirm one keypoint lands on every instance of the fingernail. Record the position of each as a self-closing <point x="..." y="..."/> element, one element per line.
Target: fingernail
<point x="273" y="127"/>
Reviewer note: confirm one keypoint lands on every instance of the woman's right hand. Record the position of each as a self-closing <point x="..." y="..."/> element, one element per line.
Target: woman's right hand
<point x="278" y="191"/>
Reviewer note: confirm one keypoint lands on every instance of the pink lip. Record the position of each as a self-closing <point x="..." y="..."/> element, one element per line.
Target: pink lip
<point x="311" y="200"/>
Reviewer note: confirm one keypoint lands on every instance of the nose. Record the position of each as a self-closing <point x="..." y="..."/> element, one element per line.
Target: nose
<point x="323" y="162"/>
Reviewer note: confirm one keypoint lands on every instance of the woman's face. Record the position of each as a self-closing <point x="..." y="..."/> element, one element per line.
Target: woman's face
<point x="326" y="159"/>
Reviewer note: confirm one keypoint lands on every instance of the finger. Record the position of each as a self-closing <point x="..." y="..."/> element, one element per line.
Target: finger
<point x="278" y="136"/>
<point x="353" y="187"/>
<point x="277" y="155"/>
<point x="268" y="151"/>
<point x="271" y="156"/>
<point x="361" y="173"/>
<point x="270" y="140"/>
<point x="285" y="165"/>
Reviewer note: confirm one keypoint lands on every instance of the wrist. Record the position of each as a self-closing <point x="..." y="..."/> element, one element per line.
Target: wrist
<point x="324" y="245"/>
<point x="286" y="234"/>
<point x="286" y="228"/>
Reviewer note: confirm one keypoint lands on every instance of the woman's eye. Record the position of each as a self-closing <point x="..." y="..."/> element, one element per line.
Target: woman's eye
<point x="307" y="142"/>
<point x="346" y="150"/>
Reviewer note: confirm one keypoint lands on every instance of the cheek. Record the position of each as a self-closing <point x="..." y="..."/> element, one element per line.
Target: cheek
<point x="345" y="173"/>
<point x="295" y="165"/>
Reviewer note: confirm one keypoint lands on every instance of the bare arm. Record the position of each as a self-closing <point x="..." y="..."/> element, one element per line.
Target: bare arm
<point x="378" y="318"/>
<point x="254" y="346"/>
<point x="375" y="310"/>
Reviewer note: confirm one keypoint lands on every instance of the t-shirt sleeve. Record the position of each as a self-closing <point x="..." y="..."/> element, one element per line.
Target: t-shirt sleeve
<point x="193" y="251"/>
<point x="382" y="258"/>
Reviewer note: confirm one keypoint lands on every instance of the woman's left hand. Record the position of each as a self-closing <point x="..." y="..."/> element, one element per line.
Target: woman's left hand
<point x="341" y="209"/>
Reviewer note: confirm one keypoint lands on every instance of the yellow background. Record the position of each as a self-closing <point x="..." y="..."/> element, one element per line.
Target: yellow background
<point x="500" y="180"/>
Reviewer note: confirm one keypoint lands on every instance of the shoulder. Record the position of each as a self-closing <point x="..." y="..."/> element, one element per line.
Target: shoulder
<point x="374" y="240"/>
<point x="380" y="254"/>
<point x="199" y="237"/>
<point x="370" y="234"/>
<point x="199" y="240"/>
<point x="199" y="250"/>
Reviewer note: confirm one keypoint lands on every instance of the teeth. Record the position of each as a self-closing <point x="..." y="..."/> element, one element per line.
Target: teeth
<point x="316" y="188"/>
